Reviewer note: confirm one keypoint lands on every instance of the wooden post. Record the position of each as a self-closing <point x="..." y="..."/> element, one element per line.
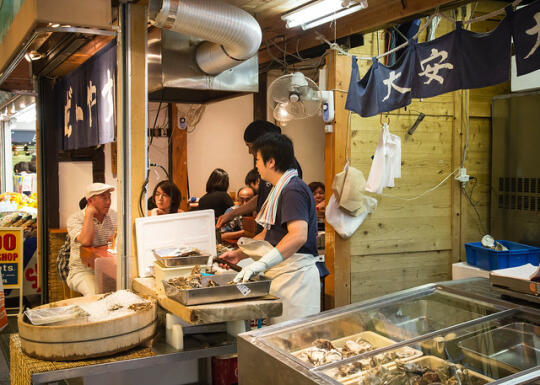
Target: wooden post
<point x="178" y="161"/>
<point x="337" y="250"/>
<point x="132" y="110"/>
<point x="457" y="153"/>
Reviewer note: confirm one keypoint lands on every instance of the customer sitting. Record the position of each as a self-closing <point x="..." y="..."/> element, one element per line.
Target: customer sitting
<point x="216" y="197"/>
<point x="233" y="229"/>
<point x="253" y="180"/>
<point x="167" y="198"/>
<point x="317" y="189"/>
<point x="93" y="226"/>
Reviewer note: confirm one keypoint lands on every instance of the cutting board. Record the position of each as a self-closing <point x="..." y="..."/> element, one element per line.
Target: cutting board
<point x="265" y="307"/>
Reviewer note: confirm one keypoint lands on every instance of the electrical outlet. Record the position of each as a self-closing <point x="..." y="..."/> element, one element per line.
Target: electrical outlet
<point x="462" y="177"/>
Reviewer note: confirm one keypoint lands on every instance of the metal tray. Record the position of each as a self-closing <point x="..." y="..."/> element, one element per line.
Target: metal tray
<point x="430" y="362"/>
<point x="374" y="339"/>
<point x="505" y="350"/>
<point x="171" y="257"/>
<point x="221" y="293"/>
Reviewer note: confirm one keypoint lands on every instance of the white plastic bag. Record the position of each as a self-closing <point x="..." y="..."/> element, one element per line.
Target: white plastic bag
<point x="386" y="163"/>
<point x="344" y="224"/>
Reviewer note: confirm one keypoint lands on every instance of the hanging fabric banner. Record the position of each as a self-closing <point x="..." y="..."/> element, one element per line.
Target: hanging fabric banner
<point x="87" y="98"/>
<point x="485" y="57"/>
<point x="383" y="88"/>
<point x="526" y="34"/>
<point x="437" y="68"/>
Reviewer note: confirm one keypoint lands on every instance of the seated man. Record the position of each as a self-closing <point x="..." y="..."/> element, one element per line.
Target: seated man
<point x="233" y="229"/>
<point x="93" y="226"/>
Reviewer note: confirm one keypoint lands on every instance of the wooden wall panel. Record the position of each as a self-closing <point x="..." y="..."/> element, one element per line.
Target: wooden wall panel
<point x="410" y="243"/>
<point x="376" y="275"/>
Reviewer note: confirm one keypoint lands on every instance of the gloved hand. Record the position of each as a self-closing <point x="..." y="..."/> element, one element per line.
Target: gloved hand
<point x="270" y="259"/>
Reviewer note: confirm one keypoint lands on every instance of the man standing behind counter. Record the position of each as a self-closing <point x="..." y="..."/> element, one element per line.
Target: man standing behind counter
<point x="93" y="226"/>
<point x="289" y="220"/>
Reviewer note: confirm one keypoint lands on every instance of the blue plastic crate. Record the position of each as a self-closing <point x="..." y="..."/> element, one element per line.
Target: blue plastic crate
<point x="487" y="259"/>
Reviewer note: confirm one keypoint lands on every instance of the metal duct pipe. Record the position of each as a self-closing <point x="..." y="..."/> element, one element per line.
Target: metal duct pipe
<point x="232" y="35"/>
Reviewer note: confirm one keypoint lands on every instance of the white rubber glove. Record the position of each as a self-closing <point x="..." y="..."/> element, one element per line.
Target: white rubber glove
<point x="270" y="259"/>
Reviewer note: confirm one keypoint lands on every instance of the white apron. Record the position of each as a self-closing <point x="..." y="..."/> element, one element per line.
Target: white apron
<point x="295" y="280"/>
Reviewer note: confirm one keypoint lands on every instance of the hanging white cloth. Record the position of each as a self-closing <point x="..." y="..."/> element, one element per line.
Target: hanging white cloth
<point x="386" y="164"/>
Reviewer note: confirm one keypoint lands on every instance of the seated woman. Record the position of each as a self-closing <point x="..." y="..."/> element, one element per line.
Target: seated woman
<point x="167" y="198"/>
<point x="317" y="189"/>
<point x="216" y="197"/>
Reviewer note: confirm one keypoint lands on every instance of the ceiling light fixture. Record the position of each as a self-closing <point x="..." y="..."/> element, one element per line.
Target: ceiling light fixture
<point x="13" y="110"/>
<point x="322" y="11"/>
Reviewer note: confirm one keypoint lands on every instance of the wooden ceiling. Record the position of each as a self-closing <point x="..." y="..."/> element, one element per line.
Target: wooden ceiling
<point x="378" y="14"/>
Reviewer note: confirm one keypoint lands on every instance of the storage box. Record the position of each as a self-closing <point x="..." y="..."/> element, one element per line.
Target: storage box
<point x="487" y="259"/>
<point x="195" y="229"/>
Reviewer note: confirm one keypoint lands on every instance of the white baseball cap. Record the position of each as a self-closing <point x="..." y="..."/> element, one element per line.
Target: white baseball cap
<point x="96" y="189"/>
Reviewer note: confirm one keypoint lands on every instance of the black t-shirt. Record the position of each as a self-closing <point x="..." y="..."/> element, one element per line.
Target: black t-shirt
<point x="219" y="201"/>
<point x="295" y="203"/>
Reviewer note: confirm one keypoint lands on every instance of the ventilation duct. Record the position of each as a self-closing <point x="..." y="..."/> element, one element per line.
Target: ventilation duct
<point x="230" y="34"/>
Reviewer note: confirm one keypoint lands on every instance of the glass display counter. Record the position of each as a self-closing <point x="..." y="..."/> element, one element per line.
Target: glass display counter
<point x="428" y="335"/>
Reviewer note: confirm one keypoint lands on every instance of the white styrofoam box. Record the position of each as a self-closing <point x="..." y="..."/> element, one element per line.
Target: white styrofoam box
<point x="195" y="229"/>
<point x="164" y="273"/>
<point x="462" y="270"/>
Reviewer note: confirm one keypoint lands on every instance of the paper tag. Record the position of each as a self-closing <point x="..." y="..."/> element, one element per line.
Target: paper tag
<point x="243" y="289"/>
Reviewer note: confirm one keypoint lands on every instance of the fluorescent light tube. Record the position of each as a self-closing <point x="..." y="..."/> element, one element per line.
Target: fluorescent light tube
<point x="320" y="12"/>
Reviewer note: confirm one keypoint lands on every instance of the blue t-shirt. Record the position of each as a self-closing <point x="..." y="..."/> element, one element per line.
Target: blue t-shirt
<point x="295" y="203"/>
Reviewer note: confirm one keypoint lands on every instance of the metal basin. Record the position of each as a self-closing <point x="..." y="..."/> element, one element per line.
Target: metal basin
<point x="505" y="350"/>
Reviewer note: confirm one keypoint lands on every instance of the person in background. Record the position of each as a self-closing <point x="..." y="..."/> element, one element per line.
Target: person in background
<point x="216" y="197"/>
<point x="167" y="198"/>
<point x="253" y="131"/>
<point x="290" y="226"/>
<point x="252" y="180"/>
<point x="93" y="226"/>
<point x="233" y="230"/>
<point x="317" y="189"/>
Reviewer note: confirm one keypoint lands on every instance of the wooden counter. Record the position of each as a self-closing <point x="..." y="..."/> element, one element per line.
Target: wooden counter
<point x="264" y="307"/>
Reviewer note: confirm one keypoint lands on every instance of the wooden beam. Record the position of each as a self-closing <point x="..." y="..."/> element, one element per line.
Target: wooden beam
<point x="178" y="168"/>
<point x="457" y="144"/>
<point x="377" y="15"/>
<point x="337" y="250"/>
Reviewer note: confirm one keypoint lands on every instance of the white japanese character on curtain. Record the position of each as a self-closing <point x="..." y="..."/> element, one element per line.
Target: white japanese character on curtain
<point x="107" y="93"/>
<point x="390" y="84"/>
<point x="90" y="100"/>
<point x="534" y="31"/>
<point x="432" y="71"/>
<point x="68" y="128"/>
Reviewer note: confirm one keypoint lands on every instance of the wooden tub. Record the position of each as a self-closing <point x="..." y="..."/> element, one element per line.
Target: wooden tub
<point x="86" y="340"/>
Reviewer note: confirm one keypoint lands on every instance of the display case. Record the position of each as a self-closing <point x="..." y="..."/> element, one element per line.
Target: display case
<point x="434" y="334"/>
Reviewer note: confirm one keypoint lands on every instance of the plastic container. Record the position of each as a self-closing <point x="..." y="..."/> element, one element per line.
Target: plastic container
<point x="487" y="259"/>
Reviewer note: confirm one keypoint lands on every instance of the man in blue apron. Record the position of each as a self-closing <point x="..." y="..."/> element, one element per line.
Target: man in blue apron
<point x="289" y="219"/>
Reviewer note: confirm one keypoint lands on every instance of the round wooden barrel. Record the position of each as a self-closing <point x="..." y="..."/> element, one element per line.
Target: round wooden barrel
<point x="86" y="340"/>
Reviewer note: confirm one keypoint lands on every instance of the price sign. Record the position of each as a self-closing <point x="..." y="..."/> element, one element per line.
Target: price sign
<point x="11" y="257"/>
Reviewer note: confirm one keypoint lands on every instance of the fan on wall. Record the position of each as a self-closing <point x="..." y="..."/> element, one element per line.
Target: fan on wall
<point x="295" y="96"/>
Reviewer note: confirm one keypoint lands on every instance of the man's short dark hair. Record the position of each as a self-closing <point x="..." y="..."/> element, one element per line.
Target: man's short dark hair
<point x="252" y="177"/>
<point x="218" y="181"/>
<point x="258" y="128"/>
<point x="278" y="147"/>
<point x="315" y="185"/>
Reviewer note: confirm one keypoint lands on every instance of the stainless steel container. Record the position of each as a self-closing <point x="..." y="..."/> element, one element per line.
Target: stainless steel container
<point x="176" y="256"/>
<point x="224" y="292"/>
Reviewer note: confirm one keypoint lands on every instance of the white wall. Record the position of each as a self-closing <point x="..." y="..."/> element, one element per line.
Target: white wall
<point x="218" y="141"/>
<point x="73" y="177"/>
<point x="307" y="136"/>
